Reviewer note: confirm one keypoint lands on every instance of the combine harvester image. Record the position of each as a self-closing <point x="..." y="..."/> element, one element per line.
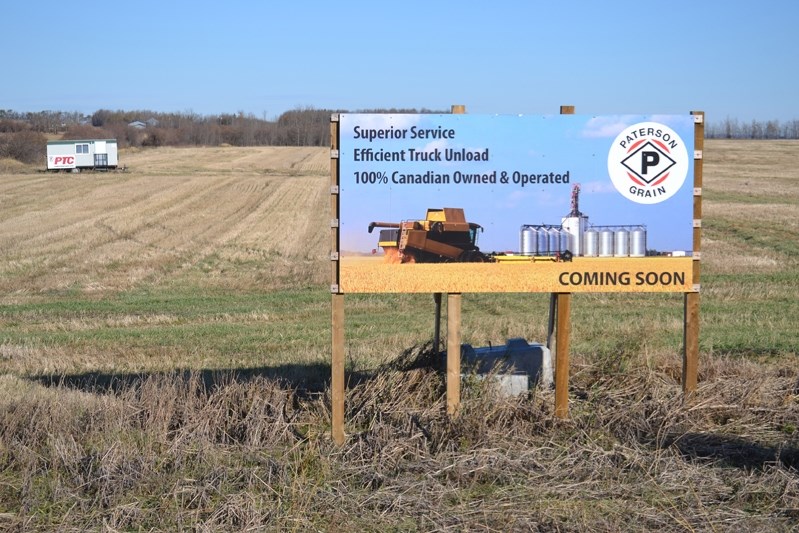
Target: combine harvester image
<point x="444" y="236"/>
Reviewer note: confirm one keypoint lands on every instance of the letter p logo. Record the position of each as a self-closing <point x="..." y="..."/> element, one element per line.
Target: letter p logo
<point x="649" y="159"/>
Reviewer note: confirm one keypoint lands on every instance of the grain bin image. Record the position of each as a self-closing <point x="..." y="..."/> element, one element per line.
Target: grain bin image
<point x="579" y="238"/>
<point x="77" y="155"/>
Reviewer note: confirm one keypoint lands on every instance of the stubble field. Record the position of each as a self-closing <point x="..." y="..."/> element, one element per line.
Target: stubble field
<point x="164" y="358"/>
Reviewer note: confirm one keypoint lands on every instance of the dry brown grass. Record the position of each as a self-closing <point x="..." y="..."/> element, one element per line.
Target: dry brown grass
<point x="173" y="451"/>
<point x="104" y="432"/>
<point x="752" y="167"/>
<point x="751" y="192"/>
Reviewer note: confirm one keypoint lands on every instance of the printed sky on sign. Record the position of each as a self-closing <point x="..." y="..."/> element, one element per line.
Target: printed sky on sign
<point x="577" y="144"/>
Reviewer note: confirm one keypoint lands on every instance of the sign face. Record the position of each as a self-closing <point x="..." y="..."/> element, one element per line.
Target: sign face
<point x="508" y="203"/>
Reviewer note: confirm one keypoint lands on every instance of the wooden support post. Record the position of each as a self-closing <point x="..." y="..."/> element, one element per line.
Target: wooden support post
<point x="560" y="304"/>
<point x="337" y="302"/>
<point x="334" y="204"/>
<point x="337" y="370"/>
<point x="690" y="362"/>
<point x="553" y="306"/>
<point x="454" y="335"/>
<point x="562" y="355"/>
<point x="437" y="326"/>
<point x="453" y="353"/>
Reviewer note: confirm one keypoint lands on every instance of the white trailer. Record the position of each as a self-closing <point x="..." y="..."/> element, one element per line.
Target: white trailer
<point x="76" y="155"/>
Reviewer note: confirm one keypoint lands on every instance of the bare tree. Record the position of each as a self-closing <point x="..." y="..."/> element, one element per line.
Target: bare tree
<point x="772" y="129"/>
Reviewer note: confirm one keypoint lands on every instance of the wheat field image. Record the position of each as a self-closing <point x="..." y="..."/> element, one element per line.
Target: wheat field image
<point x="165" y="365"/>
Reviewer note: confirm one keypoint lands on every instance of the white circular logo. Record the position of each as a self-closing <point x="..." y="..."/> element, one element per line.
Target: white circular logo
<point x="648" y="163"/>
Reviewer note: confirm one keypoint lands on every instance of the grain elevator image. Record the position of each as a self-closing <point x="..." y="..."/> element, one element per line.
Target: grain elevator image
<point x="575" y="237"/>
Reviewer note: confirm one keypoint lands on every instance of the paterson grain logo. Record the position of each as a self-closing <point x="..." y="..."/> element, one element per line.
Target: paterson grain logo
<point x="648" y="163"/>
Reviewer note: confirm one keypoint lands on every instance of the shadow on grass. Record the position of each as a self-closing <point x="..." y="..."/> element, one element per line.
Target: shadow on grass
<point x="305" y="379"/>
<point x="732" y="451"/>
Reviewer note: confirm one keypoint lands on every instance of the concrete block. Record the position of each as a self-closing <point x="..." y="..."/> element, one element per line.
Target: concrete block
<point x="517" y="365"/>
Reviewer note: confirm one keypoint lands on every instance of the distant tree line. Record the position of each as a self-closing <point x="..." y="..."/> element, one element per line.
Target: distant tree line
<point x="23" y="136"/>
<point x="731" y="128"/>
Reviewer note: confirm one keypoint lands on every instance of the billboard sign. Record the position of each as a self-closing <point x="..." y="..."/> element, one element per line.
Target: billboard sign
<point x="515" y="203"/>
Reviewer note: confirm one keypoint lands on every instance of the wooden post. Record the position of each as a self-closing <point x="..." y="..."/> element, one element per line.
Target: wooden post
<point x="437" y="326"/>
<point x="563" y="306"/>
<point x="334" y="204"/>
<point x="337" y="370"/>
<point x="553" y="305"/>
<point x="453" y="353"/>
<point x="337" y="300"/>
<point x="560" y="303"/>
<point x="454" y="335"/>
<point x="690" y="360"/>
<point x="690" y="364"/>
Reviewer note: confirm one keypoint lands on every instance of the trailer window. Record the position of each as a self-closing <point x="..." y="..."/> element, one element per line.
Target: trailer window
<point x="81" y="148"/>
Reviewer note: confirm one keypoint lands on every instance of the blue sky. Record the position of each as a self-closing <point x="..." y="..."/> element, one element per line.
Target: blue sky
<point x="734" y="59"/>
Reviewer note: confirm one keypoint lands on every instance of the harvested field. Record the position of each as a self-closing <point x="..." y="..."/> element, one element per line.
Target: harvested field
<point x="170" y="212"/>
<point x="164" y="365"/>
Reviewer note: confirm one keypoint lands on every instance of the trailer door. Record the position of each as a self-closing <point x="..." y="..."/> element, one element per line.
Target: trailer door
<point x="100" y="154"/>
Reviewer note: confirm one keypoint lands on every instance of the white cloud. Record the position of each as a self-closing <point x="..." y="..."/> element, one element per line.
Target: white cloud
<point x="514" y="199"/>
<point x="608" y="126"/>
<point x="439" y="144"/>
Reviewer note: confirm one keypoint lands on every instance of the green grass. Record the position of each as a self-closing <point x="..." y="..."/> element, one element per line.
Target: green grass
<point x="757" y="235"/>
<point x="741" y="313"/>
<point x="750" y="313"/>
